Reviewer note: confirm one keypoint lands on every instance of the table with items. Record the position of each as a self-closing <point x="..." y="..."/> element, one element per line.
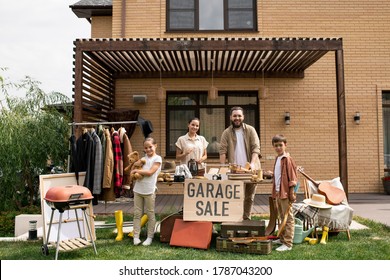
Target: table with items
<point x="215" y="199"/>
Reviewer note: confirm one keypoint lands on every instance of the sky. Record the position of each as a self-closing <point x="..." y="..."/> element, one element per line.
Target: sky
<point x="36" y="40"/>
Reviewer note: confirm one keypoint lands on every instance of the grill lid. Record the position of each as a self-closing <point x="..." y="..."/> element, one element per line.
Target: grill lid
<point x="68" y="193"/>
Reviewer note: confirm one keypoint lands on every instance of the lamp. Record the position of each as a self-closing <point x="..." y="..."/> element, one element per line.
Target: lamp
<point x="32" y="230"/>
<point x="263" y="92"/>
<point x="213" y="91"/>
<point x="161" y="92"/>
<point x="140" y="99"/>
<point x="356" y="118"/>
<point x="287" y="118"/>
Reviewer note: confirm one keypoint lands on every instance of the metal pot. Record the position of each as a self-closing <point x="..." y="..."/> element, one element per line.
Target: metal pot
<point x="193" y="167"/>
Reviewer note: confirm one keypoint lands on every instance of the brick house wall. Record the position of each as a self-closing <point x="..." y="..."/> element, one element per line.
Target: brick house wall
<point x="311" y="101"/>
<point x="101" y="27"/>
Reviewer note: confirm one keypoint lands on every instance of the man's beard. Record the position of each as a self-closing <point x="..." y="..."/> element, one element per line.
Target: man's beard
<point x="235" y="125"/>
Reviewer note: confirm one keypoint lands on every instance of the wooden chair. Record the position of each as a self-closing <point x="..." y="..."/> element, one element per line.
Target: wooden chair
<point x="338" y="214"/>
<point x="308" y="223"/>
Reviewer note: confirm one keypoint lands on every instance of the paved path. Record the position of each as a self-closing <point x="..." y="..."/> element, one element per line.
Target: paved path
<point x="372" y="206"/>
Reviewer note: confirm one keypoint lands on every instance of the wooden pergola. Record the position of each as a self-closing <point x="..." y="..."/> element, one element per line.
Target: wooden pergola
<point x="99" y="62"/>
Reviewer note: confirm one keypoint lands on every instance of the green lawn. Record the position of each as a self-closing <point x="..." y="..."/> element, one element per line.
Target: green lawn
<point x="365" y="244"/>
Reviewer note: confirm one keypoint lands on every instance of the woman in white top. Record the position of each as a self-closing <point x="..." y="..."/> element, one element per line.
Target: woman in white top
<point x="192" y="145"/>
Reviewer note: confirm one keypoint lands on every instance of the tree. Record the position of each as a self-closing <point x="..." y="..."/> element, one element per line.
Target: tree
<point x="34" y="136"/>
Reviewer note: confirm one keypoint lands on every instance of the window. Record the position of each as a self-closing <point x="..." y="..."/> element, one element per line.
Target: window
<point x="211" y="15"/>
<point x="386" y="127"/>
<point x="214" y="115"/>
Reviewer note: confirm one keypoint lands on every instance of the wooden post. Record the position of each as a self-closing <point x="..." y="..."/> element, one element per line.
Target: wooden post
<point x="77" y="97"/>
<point x="342" y="129"/>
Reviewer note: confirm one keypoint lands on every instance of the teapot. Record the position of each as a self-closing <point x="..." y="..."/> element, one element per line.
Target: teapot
<point x="193" y="167"/>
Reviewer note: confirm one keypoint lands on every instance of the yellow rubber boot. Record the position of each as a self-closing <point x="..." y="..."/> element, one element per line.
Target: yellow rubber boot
<point x="311" y="241"/>
<point x="324" y="238"/>
<point x="144" y="220"/>
<point x="119" y="224"/>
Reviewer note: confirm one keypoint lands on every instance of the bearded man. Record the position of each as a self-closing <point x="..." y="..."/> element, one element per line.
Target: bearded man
<point x="240" y="144"/>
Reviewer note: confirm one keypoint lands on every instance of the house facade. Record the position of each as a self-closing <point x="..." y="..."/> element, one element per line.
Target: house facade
<point x="315" y="71"/>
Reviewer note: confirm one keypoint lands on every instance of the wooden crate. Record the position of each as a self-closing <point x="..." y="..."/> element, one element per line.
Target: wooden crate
<point x="71" y="244"/>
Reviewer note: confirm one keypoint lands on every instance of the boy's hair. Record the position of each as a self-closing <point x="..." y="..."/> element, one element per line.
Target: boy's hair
<point x="279" y="138"/>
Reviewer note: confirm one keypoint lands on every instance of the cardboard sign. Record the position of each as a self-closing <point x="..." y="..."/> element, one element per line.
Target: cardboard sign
<point x="213" y="200"/>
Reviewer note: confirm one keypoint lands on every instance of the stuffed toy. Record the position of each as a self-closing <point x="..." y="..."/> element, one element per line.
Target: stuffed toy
<point x="132" y="157"/>
<point x="164" y="177"/>
<point x="160" y="177"/>
<point x="135" y="163"/>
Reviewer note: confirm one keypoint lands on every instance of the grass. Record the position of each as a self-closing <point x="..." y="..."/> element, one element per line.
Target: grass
<point x="365" y="244"/>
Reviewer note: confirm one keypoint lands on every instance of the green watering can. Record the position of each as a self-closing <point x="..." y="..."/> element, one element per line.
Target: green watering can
<point x="299" y="233"/>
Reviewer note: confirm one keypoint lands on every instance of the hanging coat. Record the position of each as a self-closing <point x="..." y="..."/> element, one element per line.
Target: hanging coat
<point x="98" y="165"/>
<point x="118" y="163"/>
<point x="87" y="157"/>
<point x="108" y="162"/>
<point x="126" y="150"/>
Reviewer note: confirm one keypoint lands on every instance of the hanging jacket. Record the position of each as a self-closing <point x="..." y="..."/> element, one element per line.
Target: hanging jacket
<point x="108" y="162"/>
<point x="88" y="158"/>
<point x="118" y="163"/>
<point x="98" y="164"/>
<point x="126" y="150"/>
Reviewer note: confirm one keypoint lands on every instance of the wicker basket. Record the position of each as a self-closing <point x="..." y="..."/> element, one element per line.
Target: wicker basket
<point x="260" y="247"/>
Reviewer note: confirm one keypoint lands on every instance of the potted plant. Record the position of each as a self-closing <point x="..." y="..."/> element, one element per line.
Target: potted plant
<point x="386" y="184"/>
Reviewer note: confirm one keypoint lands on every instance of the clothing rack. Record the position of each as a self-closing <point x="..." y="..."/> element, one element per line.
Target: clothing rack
<point x="103" y="123"/>
<point x="73" y="124"/>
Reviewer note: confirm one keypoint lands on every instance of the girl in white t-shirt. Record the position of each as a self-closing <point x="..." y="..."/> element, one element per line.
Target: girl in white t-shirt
<point x="144" y="191"/>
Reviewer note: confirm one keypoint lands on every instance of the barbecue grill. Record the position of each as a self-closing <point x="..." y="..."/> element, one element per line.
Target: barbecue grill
<point x="71" y="197"/>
